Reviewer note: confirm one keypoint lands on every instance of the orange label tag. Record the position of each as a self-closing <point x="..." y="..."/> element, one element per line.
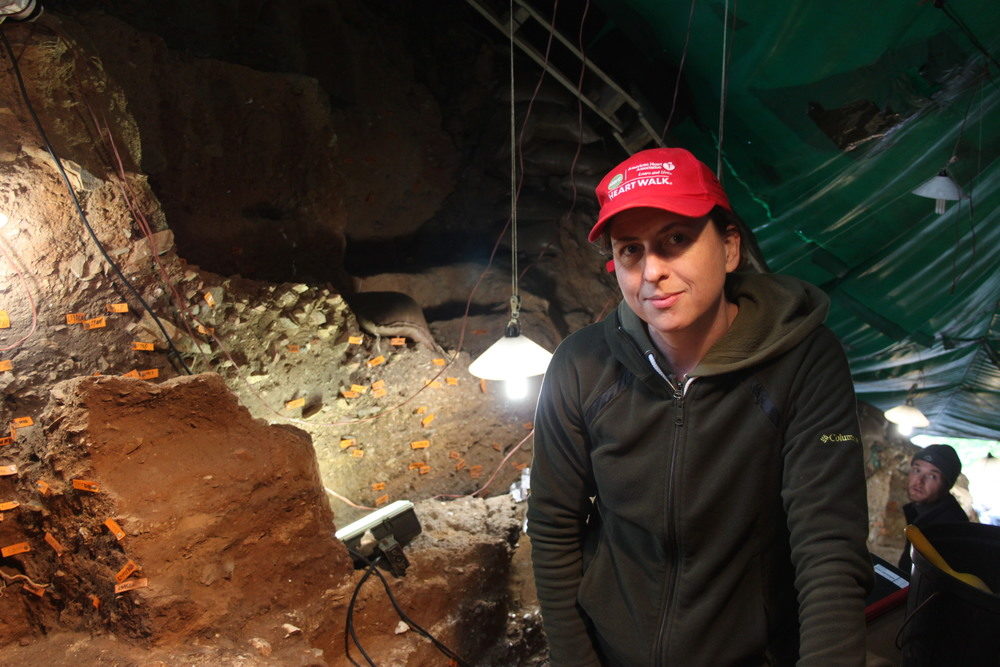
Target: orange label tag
<point x="454" y="455"/>
<point x="127" y="571"/>
<point x="416" y="465"/>
<point x="460" y="465"/>
<point x="347" y="393"/>
<point x="117" y="307"/>
<point x="131" y="374"/>
<point x="378" y="486"/>
<point x="23" y="422"/>
<point x="347" y="442"/>
<point x="382" y="500"/>
<point x="426" y="421"/>
<point x="519" y="466"/>
<point x="397" y="341"/>
<point x="295" y="403"/>
<point x="359" y="389"/>
<point x="14" y="549"/>
<point x="420" y="444"/>
<point x="357" y="453"/>
<point x="149" y="373"/>
<point x="379" y="393"/>
<point x="355" y="340"/>
<point x="4" y="320"/>
<point x="377" y="361"/>
<point x="378" y="384"/>
<point x="115" y="529"/>
<point x="55" y="544"/>
<point x="31" y="588"/>
<point x="143" y="347"/>
<point x="6" y="440"/>
<point x="205" y="331"/>
<point x="9" y="505"/>
<point x="95" y="323"/>
<point x="6" y="365"/>
<point x="452" y="381"/>
<point x="131" y="585"/>
<point x="438" y="362"/>
<point x="436" y="384"/>
<point x="209" y="299"/>
<point x="420" y="410"/>
<point x="479" y="332"/>
<point x="424" y="470"/>
<point x="85" y="485"/>
<point x="95" y="601"/>
<point x="475" y="471"/>
<point x="8" y="470"/>
<point x="75" y="318"/>
<point x="294" y="348"/>
<point x="44" y="488"/>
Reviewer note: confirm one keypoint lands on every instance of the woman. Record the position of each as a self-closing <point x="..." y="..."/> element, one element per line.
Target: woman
<point x="698" y="492"/>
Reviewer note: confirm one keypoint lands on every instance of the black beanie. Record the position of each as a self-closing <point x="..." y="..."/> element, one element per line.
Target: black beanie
<point x="945" y="458"/>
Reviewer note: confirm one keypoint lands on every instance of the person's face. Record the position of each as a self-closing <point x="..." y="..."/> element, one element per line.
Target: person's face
<point x="672" y="269"/>
<point x="925" y="482"/>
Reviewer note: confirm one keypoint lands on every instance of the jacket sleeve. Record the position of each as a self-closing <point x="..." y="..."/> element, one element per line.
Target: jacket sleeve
<point x="561" y="487"/>
<point x="826" y="507"/>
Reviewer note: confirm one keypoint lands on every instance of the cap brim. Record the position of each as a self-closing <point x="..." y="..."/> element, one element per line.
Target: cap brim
<point x="690" y="207"/>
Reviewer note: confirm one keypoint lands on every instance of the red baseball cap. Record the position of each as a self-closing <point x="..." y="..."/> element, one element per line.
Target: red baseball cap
<point x="671" y="179"/>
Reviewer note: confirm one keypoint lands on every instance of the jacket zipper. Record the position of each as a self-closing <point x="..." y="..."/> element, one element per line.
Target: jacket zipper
<point x="667" y="598"/>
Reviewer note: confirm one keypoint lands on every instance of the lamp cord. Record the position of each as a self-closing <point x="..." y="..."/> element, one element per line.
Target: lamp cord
<point x="515" y="297"/>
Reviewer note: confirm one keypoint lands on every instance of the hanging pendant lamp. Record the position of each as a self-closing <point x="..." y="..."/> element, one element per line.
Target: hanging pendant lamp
<point x="515" y="357"/>
<point x="907" y="417"/>
<point x="940" y="188"/>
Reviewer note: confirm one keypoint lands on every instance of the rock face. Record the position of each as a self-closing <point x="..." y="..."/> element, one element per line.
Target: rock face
<point x="222" y="516"/>
<point x="213" y="525"/>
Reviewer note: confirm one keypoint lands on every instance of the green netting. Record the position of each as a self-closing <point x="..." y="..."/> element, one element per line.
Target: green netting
<point x="915" y="295"/>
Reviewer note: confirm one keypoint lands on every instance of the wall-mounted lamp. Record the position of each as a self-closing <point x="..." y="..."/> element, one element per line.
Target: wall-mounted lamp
<point x="941" y="188"/>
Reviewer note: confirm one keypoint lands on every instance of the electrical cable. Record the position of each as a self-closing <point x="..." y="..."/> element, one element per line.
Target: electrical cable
<point x="680" y="71"/>
<point x="174" y="352"/>
<point x="724" y="86"/>
<point x="349" y="631"/>
<point x="402" y="614"/>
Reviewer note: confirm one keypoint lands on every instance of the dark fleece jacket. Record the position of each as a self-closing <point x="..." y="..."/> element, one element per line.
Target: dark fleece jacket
<point x="719" y="523"/>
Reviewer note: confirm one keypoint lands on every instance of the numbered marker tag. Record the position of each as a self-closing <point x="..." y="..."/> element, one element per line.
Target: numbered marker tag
<point x="6" y="365"/>
<point x="420" y="444"/>
<point x="15" y="549"/>
<point x="438" y="362"/>
<point x="382" y="500"/>
<point x="55" y="544"/>
<point x="117" y="307"/>
<point x="134" y="374"/>
<point x="115" y="529"/>
<point x="377" y="361"/>
<point x="426" y="421"/>
<point x="76" y="318"/>
<point x="86" y="485"/>
<point x="209" y="299"/>
<point x="4" y="320"/>
<point x="294" y="349"/>
<point x="295" y="403"/>
<point x="9" y="505"/>
<point x="357" y="453"/>
<point x="452" y="381"/>
<point x="149" y="374"/>
<point x="6" y="440"/>
<point x="127" y="571"/>
<point x="378" y="486"/>
<point x="131" y="585"/>
<point x="355" y="340"/>
<point x="347" y="442"/>
<point x="23" y="422"/>
<point x="143" y="347"/>
<point x="397" y="342"/>
<point x="95" y="323"/>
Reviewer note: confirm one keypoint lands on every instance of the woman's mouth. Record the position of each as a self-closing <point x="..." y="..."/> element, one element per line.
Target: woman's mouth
<point x="663" y="300"/>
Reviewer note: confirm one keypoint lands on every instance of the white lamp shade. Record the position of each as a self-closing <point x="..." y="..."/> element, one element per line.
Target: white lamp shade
<point x="940" y="187"/>
<point x="907" y="416"/>
<point x="511" y="357"/>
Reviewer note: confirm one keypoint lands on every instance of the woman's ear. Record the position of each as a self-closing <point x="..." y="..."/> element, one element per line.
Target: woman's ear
<point x="731" y="241"/>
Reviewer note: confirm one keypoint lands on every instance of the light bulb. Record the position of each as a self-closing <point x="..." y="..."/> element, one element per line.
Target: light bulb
<point x="904" y="429"/>
<point x="515" y="388"/>
<point x="3" y="220"/>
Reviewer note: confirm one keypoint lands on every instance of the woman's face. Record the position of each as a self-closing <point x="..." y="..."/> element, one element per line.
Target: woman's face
<point x="672" y="269"/>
